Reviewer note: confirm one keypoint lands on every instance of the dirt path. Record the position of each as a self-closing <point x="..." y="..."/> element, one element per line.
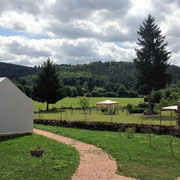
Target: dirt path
<point x="95" y="164"/>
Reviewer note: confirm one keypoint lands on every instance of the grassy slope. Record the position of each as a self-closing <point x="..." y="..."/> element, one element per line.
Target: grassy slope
<point x="74" y="102"/>
<point x="134" y="156"/>
<point x="59" y="161"/>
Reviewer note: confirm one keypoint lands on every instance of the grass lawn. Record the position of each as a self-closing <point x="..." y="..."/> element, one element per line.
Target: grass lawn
<point x="122" y="117"/>
<point x="59" y="161"/>
<point x="134" y="156"/>
<point x="74" y="102"/>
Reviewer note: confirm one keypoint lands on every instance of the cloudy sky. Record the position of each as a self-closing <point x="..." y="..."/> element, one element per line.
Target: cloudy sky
<point x="81" y="31"/>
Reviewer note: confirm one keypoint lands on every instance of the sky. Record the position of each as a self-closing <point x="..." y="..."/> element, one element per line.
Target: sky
<point x="82" y="31"/>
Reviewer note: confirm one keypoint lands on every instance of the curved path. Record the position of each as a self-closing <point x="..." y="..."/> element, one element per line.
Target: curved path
<point x="95" y="164"/>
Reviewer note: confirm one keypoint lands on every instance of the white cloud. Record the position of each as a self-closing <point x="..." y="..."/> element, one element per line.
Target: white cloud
<point x="82" y="31"/>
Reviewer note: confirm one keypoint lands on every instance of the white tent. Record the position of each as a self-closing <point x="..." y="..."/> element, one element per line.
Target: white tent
<point x="16" y="109"/>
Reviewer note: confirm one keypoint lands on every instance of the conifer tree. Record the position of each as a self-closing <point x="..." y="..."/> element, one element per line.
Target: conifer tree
<point x="152" y="59"/>
<point x="47" y="87"/>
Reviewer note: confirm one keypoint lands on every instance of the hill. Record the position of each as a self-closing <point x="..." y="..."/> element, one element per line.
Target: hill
<point x="108" y="79"/>
<point x="109" y="75"/>
<point x="13" y="71"/>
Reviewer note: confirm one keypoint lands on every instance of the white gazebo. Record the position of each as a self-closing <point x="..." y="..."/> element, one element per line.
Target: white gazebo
<point x="107" y="104"/>
<point x="16" y="109"/>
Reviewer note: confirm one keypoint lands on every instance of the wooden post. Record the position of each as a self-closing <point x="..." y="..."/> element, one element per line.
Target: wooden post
<point x="71" y="110"/>
<point x="85" y="116"/>
<point x="61" y="115"/>
<point x="178" y="111"/>
<point x="39" y="112"/>
<point x="160" y="116"/>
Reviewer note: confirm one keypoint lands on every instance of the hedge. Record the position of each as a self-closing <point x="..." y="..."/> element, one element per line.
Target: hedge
<point x="109" y="126"/>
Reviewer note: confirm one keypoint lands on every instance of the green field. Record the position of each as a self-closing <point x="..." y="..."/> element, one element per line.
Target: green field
<point x="91" y="115"/>
<point x="134" y="156"/>
<point x="59" y="161"/>
<point x="122" y="117"/>
<point x="74" y="102"/>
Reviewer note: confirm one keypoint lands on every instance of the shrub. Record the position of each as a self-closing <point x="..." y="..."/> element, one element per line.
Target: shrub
<point x="88" y="94"/>
<point x="84" y="103"/>
<point x="112" y="110"/>
<point x="143" y="105"/>
<point x="137" y="110"/>
<point x="132" y="93"/>
<point x="110" y="94"/>
<point x="95" y="93"/>
<point x="129" y="132"/>
<point x="103" y="109"/>
<point x="129" y="107"/>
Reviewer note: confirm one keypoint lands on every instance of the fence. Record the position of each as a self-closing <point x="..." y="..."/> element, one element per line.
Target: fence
<point x="91" y="115"/>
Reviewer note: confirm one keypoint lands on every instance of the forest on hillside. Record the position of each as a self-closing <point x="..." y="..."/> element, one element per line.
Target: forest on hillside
<point x="13" y="71"/>
<point x="109" y="79"/>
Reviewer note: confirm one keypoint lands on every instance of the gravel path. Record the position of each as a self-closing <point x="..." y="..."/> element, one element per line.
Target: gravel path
<point x="95" y="164"/>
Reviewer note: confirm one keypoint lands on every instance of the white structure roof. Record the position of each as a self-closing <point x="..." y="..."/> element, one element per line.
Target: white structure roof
<point x="169" y="108"/>
<point x="107" y="102"/>
<point x="1" y="79"/>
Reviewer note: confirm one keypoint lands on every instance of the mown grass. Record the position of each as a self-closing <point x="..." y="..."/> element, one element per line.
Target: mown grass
<point x="74" y="102"/>
<point x="59" y="161"/>
<point x="122" y="117"/>
<point x="134" y="156"/>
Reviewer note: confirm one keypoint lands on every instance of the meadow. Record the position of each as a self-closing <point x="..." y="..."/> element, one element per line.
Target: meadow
<point x="92" y="115"/>
<point x="134" y="156"/>
<point x="58" y="162"/>
<point x="74" y="102"/>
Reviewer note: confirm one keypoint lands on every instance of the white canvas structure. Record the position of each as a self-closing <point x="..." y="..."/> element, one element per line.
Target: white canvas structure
<point x="16" y="109"/>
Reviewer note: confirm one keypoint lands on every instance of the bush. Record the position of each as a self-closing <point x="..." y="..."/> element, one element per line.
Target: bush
<point x="109" y="126"/>
<point x="156" y="109"/>
<point x="103" y="109"/>
<point x="110" y="94"/>
<point x="142" y="105"/>
<point x="112" y="110"/>
<point x="137" y="110"/>
<point x="132" y="93"/>
<point x="129" y="107"/>
<point x="129" y="132"/>
<point x="84" y="103"/>
<point x="88" y="94"/>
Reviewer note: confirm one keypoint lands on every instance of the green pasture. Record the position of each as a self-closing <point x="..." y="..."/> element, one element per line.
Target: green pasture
<point x="92" y="115"/>
<point x="59" y="161"/>
<point x="134" y="156"/>
<point x="74" y="102"/>
<point x="122" y="117"/>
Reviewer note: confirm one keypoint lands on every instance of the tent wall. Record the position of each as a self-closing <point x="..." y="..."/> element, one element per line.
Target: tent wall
<point x="16" y="109"/>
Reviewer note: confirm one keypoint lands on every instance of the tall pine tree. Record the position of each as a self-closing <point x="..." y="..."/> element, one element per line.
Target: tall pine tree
<point x="47" y="87"/>
<point x="152" y="59"/>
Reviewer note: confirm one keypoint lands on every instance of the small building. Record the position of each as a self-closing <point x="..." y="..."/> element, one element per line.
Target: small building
<point x="107" y="104"/>
<point x="16" y="109"/>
